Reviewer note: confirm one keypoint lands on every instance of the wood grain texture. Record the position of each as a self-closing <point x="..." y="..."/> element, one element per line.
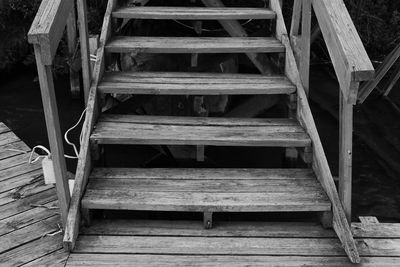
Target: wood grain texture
<point x="320" y="163"/>
<point x="234" y="261"/>
<point x="194" y="84"/>
<point x="326" y="247"/>
<point x="192" y="13"/>
<point x="171" y="45"/>
<point x="48" y="27"/>
<point x="84" y="162"/>
<point x="205" y="194"/>
<point x="109" y="132"/>
<point x="350" y="60"/>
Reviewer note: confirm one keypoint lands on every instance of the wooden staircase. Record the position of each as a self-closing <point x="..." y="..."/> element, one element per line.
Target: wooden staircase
<point x="202" y="190"/>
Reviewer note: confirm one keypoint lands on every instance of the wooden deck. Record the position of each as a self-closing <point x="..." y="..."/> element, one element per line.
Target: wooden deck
<point x="29" y="233"/>
<point x="29" y="219"/>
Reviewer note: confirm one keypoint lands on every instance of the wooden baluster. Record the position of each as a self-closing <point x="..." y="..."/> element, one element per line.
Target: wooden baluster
<point x="85" y="52"/>
<point x="72" y="42"/>
<point x="345" y="153"/>
<point x="304" y="66"/>
<point x="54" y="133"/>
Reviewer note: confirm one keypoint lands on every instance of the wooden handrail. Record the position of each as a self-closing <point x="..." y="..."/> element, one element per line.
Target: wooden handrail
<point x="320" y="163"/>
<point x="48" y="27"/>
<point x="349" y="57"/>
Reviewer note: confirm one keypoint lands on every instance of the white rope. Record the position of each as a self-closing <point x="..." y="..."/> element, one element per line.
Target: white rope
<point x="76" y="151"/>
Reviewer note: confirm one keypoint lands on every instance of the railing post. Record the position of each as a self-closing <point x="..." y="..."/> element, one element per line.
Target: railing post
<point x="72" y="42"/>
<point x="304" y="67"/>
<point x="345" y="153"/>
<point x="54" y="132"/>
<point x="84" y="44"/>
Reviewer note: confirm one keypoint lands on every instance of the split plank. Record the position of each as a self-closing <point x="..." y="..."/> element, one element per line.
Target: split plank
<point x="29" y="233"/>
<point x="13" y="149"/>
<point x="192" y="13"/>
<point x="31" y="251"/>
<point x="28" y="217"/>
<point x="194" y="84"/>
<point x="171" y="45"/>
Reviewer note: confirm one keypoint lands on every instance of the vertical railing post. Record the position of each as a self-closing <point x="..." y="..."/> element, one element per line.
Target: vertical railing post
<point x="84" y="44"/>
<point x="345" y="153"/>
<point x="53" y="132"/>
<point x="72" y="43"/>
<point x="304" y="67"/>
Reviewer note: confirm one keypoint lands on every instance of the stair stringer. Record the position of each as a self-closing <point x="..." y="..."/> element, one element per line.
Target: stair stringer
<point x="320" y="163"/>
<point x="84" y="166"/>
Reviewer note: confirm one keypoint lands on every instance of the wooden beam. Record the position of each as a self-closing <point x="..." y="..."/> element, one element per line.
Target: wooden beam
<point x="345" y="154"/>
<point x="54" y="133"/>
<point x="349" y="58"/>
<point x="392" y="81"/>
<point x="72" y="43"/>
<point x="84" y="43"/>
<point x="235" y="29"/>
<point x="48" y="27"/>
<point x="389" y="61"/>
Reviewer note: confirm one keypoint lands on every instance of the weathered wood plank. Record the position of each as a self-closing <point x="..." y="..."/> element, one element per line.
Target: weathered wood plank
<point x="233" y="246"/>
<point x="22" y="180"/>
<point x="234" y="261"/>
<point x="193" y="13"/>
<point x="23" y="192"/>
<point x="205" y="201"/>
<point x="204" y="173"/>
<point x="195" y="228"/>
<point x="14" y="161"/>
<point x="124" y="44"/>
<point x="54" y="259"/>
<point x="28" y="217"/>
<point x="136" y="133"/>
<point x="19" y="169"/>
<point x="24" y="204"/>
<point x="194" y="84"/>
<point x="48" y="27"/>
<point x="4" y="128"/>
<point x="13" y="149"/>
<point x="198" y="121"/>
<point x="7" y="138"/>
<point x="31" y="251"/>
<point x="28" y="234"/>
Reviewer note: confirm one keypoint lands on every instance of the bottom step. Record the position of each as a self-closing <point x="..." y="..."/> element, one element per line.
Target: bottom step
<point x="206" y="190"/>
<point x="152" y="243"/>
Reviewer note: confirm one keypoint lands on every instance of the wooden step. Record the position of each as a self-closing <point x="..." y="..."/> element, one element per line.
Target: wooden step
<point x="171" y="45"/>
<point x="183" y="83"/>
<point x="193" y="13"/>
<point x="205" y="190"/>
<point x="152" y="130"/>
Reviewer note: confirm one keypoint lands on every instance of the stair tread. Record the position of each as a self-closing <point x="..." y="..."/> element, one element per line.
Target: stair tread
<point x="126" y="44"/>
<point x="172" y="83"/>
<point x="151" y="130"/>
<point x="193" y="13"/>
<point x="201" y="192"/>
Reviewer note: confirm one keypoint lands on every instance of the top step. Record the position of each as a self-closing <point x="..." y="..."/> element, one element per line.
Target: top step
<point x="193" y="13"/>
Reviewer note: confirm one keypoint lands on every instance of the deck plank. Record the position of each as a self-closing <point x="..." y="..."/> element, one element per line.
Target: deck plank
<point x="233" y="246"/>
<point x="211" y="261"/>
